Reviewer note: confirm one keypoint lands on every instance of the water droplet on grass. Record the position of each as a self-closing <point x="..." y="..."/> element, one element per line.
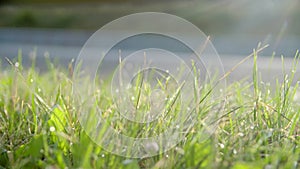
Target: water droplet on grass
<point x="241" y="134"/>
<point x="221" y="145"/>
<point x="17" y="64"/>
<point x="52" y="129"/>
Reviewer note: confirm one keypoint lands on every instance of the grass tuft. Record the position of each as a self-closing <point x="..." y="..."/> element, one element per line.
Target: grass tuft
<point x="39" y="125"/>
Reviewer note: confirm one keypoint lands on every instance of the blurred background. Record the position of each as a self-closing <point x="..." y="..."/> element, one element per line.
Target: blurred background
<point x="59" y="28"/>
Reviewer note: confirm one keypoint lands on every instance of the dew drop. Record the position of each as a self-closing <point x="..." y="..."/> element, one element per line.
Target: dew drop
<point x="52" y="129"/>
<point x="241" y="134"/>
<point x="17" y="64"/>
<point x="221" y="145"/>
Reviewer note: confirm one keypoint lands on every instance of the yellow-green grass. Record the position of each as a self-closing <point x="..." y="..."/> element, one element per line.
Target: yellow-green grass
<point x="39" y="126"/>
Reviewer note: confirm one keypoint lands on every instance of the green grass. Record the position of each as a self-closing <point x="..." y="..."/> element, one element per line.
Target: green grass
<point x="39" y="125"/>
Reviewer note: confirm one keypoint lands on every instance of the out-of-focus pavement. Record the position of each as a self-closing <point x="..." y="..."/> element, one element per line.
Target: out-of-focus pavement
<point x="65" y="45"/>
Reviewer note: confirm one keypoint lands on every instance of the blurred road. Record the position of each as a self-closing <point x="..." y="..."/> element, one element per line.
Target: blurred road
<point x="66" y="45"/>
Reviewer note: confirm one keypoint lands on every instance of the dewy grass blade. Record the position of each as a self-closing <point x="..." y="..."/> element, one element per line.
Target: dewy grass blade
<point x="276" y="139"/>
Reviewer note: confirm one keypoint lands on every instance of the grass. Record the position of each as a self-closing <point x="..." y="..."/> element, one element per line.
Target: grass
<point x="39" y="125"/>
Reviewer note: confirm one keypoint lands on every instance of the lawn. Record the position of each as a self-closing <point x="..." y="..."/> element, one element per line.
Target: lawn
<point x="39" y="126"/>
